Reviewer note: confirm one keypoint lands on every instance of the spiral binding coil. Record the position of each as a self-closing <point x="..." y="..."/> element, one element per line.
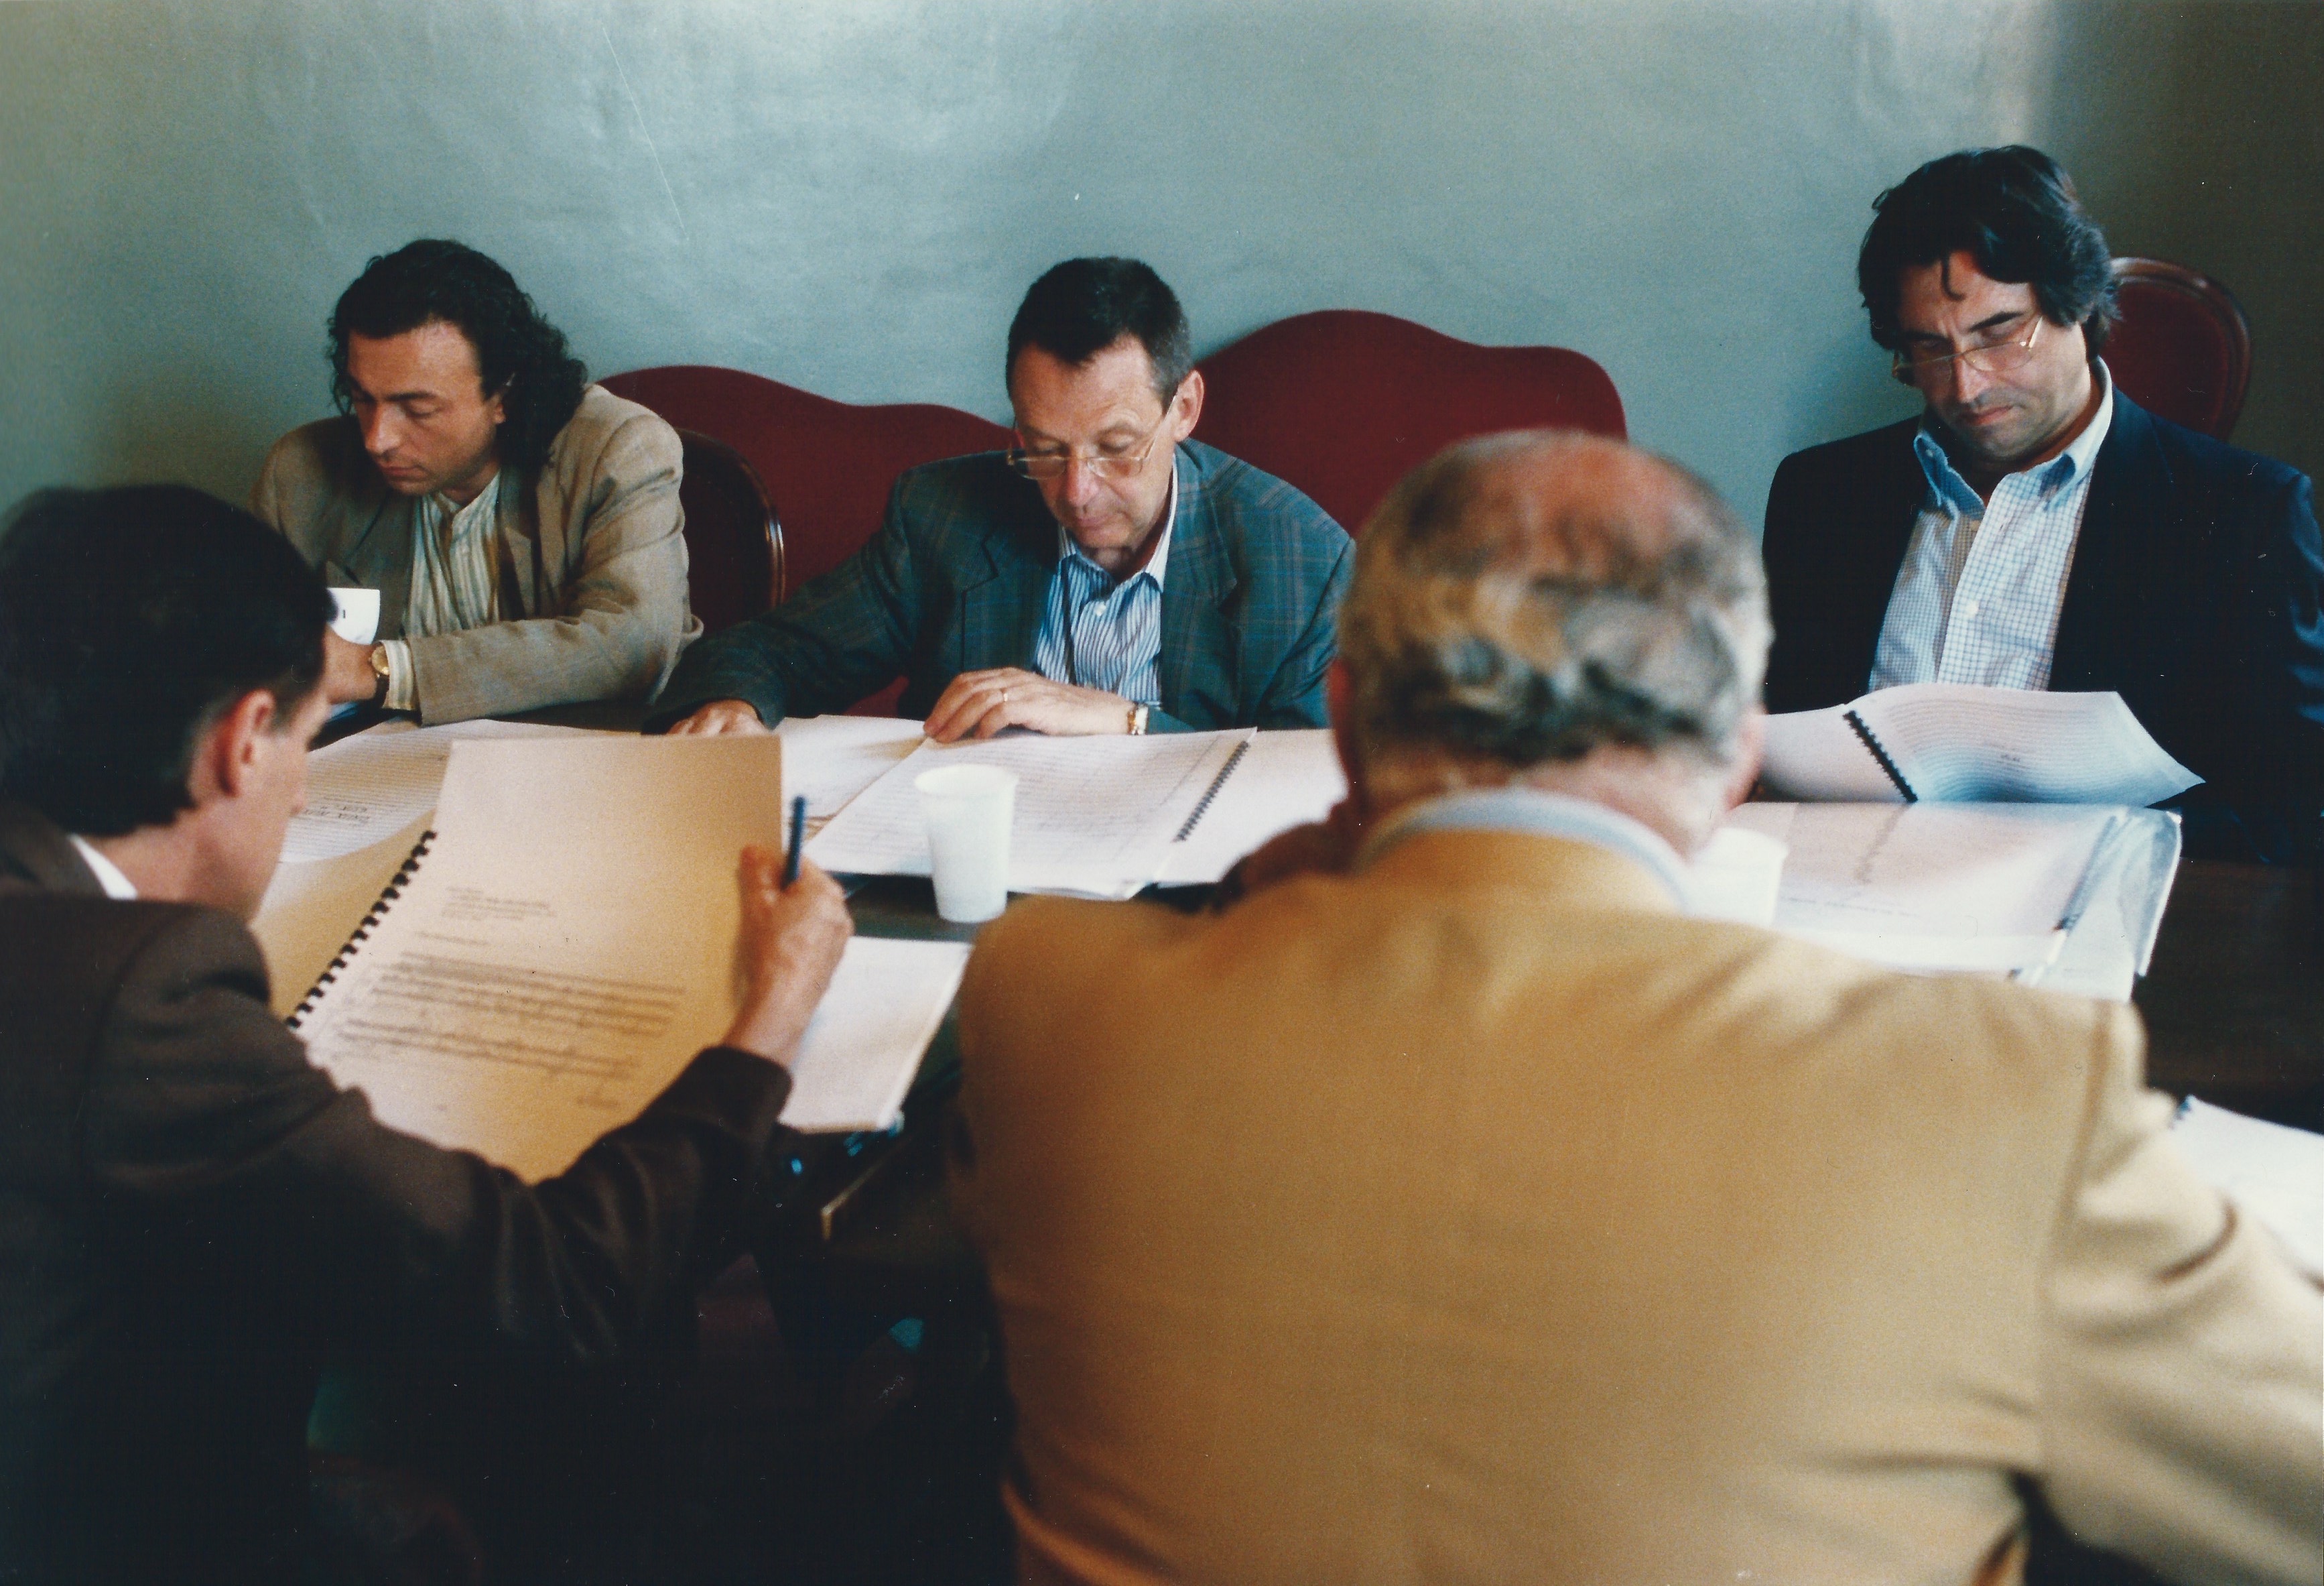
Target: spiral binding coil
<point x="1881" y="754"/>
<point x="369" y="922"/>
<point x="1212" y="792"/>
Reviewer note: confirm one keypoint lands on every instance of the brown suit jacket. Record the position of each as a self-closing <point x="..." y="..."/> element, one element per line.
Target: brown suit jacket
<point x="1477" y="1217"/>
<point x="191" y="1214"/>
<point x="592" y="550"/>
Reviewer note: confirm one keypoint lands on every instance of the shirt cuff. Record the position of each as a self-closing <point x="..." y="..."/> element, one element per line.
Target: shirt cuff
<point x="401" y="685"/>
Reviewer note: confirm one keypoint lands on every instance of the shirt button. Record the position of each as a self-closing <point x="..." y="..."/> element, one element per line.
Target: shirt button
<point x="1968" y="610"/>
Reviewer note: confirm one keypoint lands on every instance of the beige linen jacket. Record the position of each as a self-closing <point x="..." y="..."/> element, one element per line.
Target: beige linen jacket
<point x="592" y="552"/>
<point x="1477" y="1217"/>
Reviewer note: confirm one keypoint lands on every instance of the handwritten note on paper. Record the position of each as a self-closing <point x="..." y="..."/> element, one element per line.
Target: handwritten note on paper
<point x="1096" y="816"/>
<point x="364" y="788"/>
<point x="369" y="788"/>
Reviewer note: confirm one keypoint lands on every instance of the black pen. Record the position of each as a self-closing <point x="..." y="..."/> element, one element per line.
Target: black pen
<point x="798" y="838"/>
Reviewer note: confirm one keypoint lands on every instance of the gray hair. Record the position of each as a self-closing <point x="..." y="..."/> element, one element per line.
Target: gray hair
<point x="1531" y="597"/>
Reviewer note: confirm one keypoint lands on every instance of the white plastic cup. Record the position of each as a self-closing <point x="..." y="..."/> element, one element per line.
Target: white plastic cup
<point x="356" y="618"/>
<point x="969" y="811"/>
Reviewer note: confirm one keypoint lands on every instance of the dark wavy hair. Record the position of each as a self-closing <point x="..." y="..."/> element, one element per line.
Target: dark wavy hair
<point x="523" y="359"/>
<point x="130" y="620"/>
<point x="2013" y="211"/>
<point x="1078" y="309"/>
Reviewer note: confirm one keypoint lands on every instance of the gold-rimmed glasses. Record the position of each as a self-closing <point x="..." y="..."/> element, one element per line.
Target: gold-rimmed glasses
<point x="1117" y="462"/>
<point x="2005" y="357"/>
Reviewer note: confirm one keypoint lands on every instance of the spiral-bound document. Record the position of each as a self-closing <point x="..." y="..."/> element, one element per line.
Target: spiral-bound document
<point x="1953" y="743"/>
<point x="562" y="942"/>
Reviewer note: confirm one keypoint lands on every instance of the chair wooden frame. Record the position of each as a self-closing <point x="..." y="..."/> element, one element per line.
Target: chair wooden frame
<point x="2219" y="305"/>
<point x="698" y="446"/>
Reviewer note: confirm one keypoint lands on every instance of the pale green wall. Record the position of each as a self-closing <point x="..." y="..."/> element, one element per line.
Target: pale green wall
<point x="851" y="194"/>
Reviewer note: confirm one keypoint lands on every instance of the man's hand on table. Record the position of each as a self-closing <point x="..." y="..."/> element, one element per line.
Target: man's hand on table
<point x="1327" y="847"/>
<point x="978" y="704"/>
<point x="722" y="716"/>
<point x="348" y="674"/>
<point x="790" y="942"/>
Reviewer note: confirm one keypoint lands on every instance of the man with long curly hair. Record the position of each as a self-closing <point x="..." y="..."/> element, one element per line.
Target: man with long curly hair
<point x="521" y="525"/>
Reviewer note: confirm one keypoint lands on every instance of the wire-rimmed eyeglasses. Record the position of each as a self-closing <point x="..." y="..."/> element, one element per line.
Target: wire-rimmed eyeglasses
<point x="1106" y="463"/>
<point x="1997" y="357"/>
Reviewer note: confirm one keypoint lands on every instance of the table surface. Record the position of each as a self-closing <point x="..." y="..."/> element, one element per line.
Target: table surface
<point x="2233" y="1002"/>
<point x="2234" y="1005"/>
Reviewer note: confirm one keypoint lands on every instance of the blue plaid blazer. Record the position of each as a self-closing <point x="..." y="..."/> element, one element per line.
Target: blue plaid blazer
<point x="958" y="576"/>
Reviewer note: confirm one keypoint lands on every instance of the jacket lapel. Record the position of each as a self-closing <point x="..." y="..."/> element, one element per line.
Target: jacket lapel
<point x="378" y="555"/>
<point x="1197" y="668"/>
<point x="1896" y="490"/>
<point x="1002" y="607"/>
<point x="2128" y="484"/>
<point x="33" y="848"/>
<point x="516" y="525"/>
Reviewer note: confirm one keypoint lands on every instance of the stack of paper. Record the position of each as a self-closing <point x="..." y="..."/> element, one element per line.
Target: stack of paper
<point x="1956" y="742"/>
<point x="830" y="759"/>
<point x="1095" y="817"/>
<point x="1283" y="779"/>
<point x="862" y="1052"/>
<point x="368" y="799"/>
<point x="2275" y="1172"/>
<point x="1990" y="887"/>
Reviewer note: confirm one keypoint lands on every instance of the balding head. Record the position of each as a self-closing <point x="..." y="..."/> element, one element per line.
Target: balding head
<point x="1525" y="600"/>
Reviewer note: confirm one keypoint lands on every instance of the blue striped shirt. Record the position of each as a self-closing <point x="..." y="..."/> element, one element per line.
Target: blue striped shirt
<point x="1977" y="597"/>
<point x="1098" y="633"/>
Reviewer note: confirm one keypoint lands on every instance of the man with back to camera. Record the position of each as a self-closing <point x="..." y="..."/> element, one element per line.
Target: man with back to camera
<point x="1109" y="575"/>
<point x="190" y="1212"/>
<point x="521" y="525"/>
<point x="1477" y="1214"/>
<point x="2035" y="528"/>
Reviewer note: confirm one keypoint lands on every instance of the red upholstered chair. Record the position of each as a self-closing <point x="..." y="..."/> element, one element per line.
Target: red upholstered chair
<point x="734" y="543"/>
<point x="826" y="466"/>
<point x="1343" y="402"/>
<point x="2182" y="348"/>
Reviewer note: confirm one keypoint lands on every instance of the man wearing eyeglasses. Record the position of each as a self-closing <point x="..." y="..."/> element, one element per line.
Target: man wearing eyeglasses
<point x="2034" y="528"/>
<point x="1106" y="575"/>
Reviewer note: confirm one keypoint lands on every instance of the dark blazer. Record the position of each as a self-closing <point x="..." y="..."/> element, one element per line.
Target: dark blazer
<point x="191" y="1214"/>
<point x="2194" y="594"/>
<point x="958" y="575"/>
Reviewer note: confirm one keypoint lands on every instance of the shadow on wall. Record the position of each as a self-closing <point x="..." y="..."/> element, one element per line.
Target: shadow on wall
<point x="1857" y="396"/>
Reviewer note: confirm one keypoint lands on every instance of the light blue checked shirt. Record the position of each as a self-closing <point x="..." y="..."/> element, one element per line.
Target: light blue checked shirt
<point x="1538" y="812"/>
<point x="1097" y="634"/>
<point x="1977" y="599"/>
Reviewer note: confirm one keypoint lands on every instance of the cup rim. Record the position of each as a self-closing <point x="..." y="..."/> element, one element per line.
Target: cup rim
<point x="973" y="779"/>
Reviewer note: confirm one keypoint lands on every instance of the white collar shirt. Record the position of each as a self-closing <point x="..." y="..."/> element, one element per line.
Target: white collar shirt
<point x="117" y="887"/>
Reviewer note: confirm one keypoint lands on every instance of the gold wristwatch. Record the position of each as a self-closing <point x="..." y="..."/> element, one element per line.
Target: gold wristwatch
<point x="380" y="674"/>
<point x="1138" y="721"/>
